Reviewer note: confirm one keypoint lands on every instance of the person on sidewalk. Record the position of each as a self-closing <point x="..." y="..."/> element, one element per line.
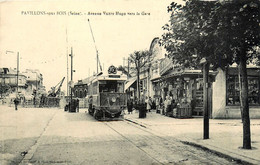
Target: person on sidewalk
<point x="130" y="106"/>
<point x="149" y="104"/>
<point x="157" y="103"/>
<point x="168" y="105"/>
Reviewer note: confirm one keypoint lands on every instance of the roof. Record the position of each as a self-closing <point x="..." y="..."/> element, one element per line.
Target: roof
<point x="184" y="72"/>
<point x="130" y="82"/>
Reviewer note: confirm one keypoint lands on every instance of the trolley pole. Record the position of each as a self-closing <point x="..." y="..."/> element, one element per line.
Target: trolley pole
<point x="128" y="68"/>
<point x="17" y="73"/>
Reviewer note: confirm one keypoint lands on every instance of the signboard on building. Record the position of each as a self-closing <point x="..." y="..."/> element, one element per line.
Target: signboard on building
<point x="165" y="65"/>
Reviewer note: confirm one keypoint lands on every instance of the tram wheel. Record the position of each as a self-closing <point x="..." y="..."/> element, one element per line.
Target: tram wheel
<point x="90" y="112"/>
<point x="97" y="115"/>
<point x="118" y="115"/>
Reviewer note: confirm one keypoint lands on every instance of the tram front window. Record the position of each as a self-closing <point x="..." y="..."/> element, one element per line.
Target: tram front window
<point x="108" y="86"/>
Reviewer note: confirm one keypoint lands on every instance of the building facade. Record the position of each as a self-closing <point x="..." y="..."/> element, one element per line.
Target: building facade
<point x="162" y="78"/>
<point x="80" y="89"/>
<point x="34" y="80"/>
<point x="29" y="82"/>
<point x="8" y="80"/>
<point x="226" y="93"/>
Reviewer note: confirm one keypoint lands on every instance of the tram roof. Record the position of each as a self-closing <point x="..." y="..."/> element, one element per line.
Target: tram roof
<point x="118" y="77"/>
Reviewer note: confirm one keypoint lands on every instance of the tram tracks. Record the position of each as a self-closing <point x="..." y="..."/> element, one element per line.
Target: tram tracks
<point x="164" y="149"/>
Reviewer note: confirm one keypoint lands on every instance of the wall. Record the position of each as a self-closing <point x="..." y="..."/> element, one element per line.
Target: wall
<point x="219" y="96"/>
<point x="233" y="112"/>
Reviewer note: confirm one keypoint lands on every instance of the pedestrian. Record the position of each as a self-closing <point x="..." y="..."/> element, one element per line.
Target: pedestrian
<point x="153" y="104"/>
<point x="77" y="105"/>
<point x="90" y="102"/>
<point x="129" y="106"/>
<point x="173" y="104"/>
<point x="161" y="102"/>
<point x="16" y="102"/>
<point x="168" y="103"/>
<point x="157" y="103"/>
<point x="149" y="104"/>
<point x="164" y="107"/>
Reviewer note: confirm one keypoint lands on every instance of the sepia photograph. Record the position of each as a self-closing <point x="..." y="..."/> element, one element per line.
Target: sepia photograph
<point x="135" y="82"/>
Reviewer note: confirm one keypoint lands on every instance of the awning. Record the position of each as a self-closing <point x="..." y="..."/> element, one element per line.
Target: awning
<point x="130" y="82"/>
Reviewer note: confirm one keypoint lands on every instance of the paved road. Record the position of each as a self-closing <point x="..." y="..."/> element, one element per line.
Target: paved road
<point x="51" y="136"/>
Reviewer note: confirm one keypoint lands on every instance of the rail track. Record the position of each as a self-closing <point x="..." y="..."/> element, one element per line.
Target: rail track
<point x="164" y="149"/>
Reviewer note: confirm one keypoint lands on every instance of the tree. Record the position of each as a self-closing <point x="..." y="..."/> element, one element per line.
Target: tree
<point x="223" y="32"/>
<point x="5" y="89"/>
<point x="140" y="59"/>
<point x="244" y="33"/>
<point x="124" y="70"/>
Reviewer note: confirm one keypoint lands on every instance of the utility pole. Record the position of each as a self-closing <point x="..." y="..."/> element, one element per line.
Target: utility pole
<point x="205" y="99"/>
<point x="67" y="63"/>
<point x="35" y="92"/>
<point x="17" y="73"/>
<point x="71" y="78"/>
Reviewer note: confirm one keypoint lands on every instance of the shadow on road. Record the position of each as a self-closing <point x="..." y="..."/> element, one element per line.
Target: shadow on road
<point x="12" y="151"/>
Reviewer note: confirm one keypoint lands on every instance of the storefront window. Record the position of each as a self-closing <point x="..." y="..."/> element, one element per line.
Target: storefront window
<point x="233" y="92"/>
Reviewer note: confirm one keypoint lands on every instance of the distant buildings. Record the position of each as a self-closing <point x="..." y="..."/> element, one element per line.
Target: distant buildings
<point x="34" y="80"/>
<point x="29" y="81"/>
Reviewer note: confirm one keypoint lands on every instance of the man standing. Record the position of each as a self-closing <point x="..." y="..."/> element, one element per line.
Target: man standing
<point x="149" y="104"/>
<point x="16" y="102"/>
<point x="90" y="101"/>
<point x="77" y="105"/>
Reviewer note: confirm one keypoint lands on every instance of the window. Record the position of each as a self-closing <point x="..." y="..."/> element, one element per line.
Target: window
<point x="85" y="93"/>
<point x="80" y="94"/>
<point x="233" y="92"/>
<point x="95" y="87"/>
<point x="111" y="86"/>
<point x="120" y="87"/>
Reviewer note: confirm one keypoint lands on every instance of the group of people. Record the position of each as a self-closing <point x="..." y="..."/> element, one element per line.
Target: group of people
<point x="166" y="105"/>
<point x="157" y="104"/>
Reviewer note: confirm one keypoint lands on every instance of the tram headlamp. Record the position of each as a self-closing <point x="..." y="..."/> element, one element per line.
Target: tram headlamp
<point x="113" y="99"/>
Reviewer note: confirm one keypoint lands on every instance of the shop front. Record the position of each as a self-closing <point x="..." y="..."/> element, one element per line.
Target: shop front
<point x="186" y="88"/>
<point x="226" y="94"/>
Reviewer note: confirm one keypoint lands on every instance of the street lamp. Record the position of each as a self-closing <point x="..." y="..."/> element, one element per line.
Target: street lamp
<point x="205" y="72"/>
<point x="35" y="92"/>
<point x="17" y="75"/>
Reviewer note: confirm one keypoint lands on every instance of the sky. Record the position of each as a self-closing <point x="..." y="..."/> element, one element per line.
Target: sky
<point x="43" y="32"/>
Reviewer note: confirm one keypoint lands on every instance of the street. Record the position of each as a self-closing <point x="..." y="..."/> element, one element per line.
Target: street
<point x="52" y="136"/>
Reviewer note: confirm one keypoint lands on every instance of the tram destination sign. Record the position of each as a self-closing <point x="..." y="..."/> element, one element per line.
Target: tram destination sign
<point x="114" y="76"/>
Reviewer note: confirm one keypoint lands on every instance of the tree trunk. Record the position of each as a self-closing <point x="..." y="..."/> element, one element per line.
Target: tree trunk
<point x="240" y="89"/>
<point x="244" y="103"/>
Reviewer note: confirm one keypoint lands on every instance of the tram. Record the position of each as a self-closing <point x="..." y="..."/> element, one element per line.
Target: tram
<point x="107" y="94"/>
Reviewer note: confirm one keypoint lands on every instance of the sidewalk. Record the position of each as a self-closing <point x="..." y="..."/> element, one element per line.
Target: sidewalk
<point x="225" y="136"/>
